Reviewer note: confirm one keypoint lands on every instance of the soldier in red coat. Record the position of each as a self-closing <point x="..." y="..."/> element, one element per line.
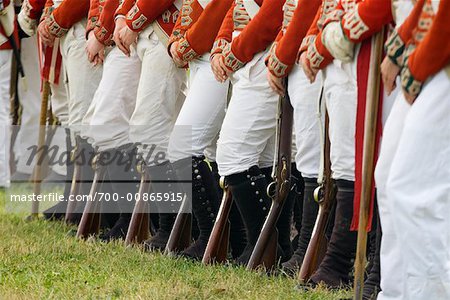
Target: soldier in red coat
<point x="202" y="112"/>
<point x="7" y="25"/>
<point x="108" y="116"/>
<point x="67" y="21"/>
<point x="144" y="27"/>
<point x="246" y="144"/>
<point x="304" y="96"/>
<point x="28" y="94"/>
<point x="414" y="159"/>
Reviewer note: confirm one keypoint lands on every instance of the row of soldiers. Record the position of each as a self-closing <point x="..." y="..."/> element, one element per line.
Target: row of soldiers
<point x="125" y="93"/>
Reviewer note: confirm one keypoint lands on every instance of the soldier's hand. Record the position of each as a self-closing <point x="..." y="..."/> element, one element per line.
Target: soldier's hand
<point x="276" y="84"/>
<point x="127" y="37"/>
<point x="389" y="73"/>
<point x="46" y="37"/>
<point x="310" y="72"/>
<point x="219" y="69"/>
<point x="94" y="49"/>
<point x="98" y="60"/>
<point x="120" y="24"/>
<point x="176" y="59"/>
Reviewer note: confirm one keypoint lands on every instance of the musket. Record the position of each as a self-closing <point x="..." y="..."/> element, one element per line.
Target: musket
<point x="37" y="172"/>
<point x="138" y="230"/>
<point x="181" y="235"/>
<point x="325" y="195"/>
<point x="217" y="248"/>
<point x="82" y="166"/>
<point x="368" y="164"/>
<point x="218" y="244"/>
<point x="265" y="251"/>
<point x="90" y="220"/>
<point x="75" y="186"/>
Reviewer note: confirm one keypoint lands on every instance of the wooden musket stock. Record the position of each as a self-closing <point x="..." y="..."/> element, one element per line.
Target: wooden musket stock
<point x="181" y="235"/>
<point x="75" y="186"/>
<point x="217" y="248"/>
<point x="325" y="195"/>
<point x="37" y="172"/>
<point x="265" y="251"/>
<point x="139" y="231"/>
<point x="368" y="165"/>
<point x="90" y="221"/>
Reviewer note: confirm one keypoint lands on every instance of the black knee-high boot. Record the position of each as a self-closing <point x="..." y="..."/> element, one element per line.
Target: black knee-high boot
<point x="167" y="215"/>
<point x="334" y="271"/>
<point x="83" y="157"/>
<point x="249" y="192"/>
<point x="205" y="205"/>
<point x="284" y="221"/>
<point x="58" y="211"/>
<point x="124" y="180"/>
<point x="284" y="224"/>
<point x="69" y="164"/>
<point x="310" y="209"/>
<point x="297" y="192"/>
<point x="238" y="240"/>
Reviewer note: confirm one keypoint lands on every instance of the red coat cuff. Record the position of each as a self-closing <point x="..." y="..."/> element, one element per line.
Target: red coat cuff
<point x="185" y="51"/>
<point x="218" y="46"/>
<point x="276" y="66"/>
<point x="136" y="20"/>
<point x="231" y="61"/>
<point x="409" y="83"/>
<point x="395" y="48"/>
<point x="54" y="28"/>
<point x="318" y="55"/>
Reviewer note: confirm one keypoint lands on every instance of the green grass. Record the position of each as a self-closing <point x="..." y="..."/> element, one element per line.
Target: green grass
<point x="42" y="260"/>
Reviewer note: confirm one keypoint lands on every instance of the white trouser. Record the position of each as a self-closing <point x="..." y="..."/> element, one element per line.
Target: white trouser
<point x="211" y="151"/>
<point x="108" y="118"/>
<point x="60" y="108"/>
<point x="248" y="130"/>
<point x="60" y="101"/>
<point x="418" y="190"/>
<point x="159" y="97"/>
<point x="5" y="120"/>
<point x="391" y="260"/>
<point x="30" y="99"/>
<point x="202" y="114"/>
<point x="304" y="99"/>
<point x="267" y="156"/>
<point x="340" y="91"/>
<point x="82" y="77"/>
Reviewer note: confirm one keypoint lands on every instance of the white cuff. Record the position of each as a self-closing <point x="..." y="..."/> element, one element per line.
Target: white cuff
<point x="119" y="17"/>
<point x="333" y="38"/>
<point x="28" y="25"/>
